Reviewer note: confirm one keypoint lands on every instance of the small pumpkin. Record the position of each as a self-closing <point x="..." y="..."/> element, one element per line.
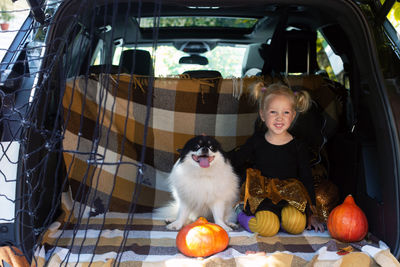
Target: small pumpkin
<point x="347" y="222"/>
<point x="266" y="223"/>
<point x="13" y="256"/>
<point x="201" y="239"/>
<point x="293" y="220"/>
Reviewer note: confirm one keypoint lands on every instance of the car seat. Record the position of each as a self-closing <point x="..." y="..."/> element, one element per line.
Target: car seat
<point x="296" y="53"/>
<point x="136" y="61"/>
<point x="203" y="73"/>
<point x="252" y="61"/>
<point x="133" y="61"/>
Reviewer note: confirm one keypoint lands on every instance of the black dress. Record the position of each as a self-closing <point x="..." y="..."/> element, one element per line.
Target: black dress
<point x="290" y="160"/>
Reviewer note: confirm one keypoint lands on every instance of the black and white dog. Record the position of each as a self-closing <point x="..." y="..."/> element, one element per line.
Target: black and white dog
<point x="203" y="183"/>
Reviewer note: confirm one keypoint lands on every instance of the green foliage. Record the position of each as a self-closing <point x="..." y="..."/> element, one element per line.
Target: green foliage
<point x="199" y="22"/>
<point x="225" y="59"/>
<point x="323" y="59"/>
<point x="394" y="16"/>
<point x="5" y="14"/>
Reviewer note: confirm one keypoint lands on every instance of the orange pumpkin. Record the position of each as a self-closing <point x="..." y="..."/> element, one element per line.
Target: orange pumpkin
<point x="13" y="256"/>
<point x="201" y="239"/>
<point x="347" y="222"/>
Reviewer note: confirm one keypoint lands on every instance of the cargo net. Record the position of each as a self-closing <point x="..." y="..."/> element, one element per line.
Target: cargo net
<point x="87" y="141"/>
<point x="46" y="181"/>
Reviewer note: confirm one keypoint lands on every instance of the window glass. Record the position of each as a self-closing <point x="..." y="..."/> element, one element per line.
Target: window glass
<point x="328" y="61"/>
<point x="12" y="16"/>
<point x="225" y="59"/>
<point x="183" y="22"/>
<point x="97" y="56"/>
<point x="394" y="17"/>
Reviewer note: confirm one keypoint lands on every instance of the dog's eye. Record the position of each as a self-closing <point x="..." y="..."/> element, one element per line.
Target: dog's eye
<point x="197" y="147"/>
<point x="212" y="148"/>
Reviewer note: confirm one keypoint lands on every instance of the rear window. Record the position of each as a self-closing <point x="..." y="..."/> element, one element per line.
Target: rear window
<point x="182" y="22"/>
<point x="225" y="59"/>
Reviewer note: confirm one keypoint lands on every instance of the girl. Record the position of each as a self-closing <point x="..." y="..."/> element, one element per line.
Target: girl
<point x="279" y="157"/>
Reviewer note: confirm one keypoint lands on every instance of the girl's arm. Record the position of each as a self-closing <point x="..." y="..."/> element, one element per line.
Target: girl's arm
<point x="304" y="170"/>
<point x="308" y="181"/>
<point x="313" y="222"/>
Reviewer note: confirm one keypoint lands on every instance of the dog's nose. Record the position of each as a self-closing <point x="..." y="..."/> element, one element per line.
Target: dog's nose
<point x="204" y="150"/>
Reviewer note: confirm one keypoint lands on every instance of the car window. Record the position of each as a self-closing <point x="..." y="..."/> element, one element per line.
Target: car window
<point x="392" y="25"/>
<point x="394" y="16"/>
<point x="198" y="21"/>
<point x="223" y="58"/>
<point x="97" y="59"/>
<point x="12" y="15"/>
<point x="330" y="63"/>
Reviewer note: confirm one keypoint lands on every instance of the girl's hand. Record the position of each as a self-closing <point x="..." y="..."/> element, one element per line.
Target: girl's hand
<point x="313" y="222"/>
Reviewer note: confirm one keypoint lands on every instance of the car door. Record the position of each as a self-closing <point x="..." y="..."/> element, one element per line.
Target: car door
<point x="21" y="57"/>
<point x="382" y="196"/>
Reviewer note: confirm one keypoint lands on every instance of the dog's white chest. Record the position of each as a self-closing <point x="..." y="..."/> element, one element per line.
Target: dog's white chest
<point x="195" y="185"/>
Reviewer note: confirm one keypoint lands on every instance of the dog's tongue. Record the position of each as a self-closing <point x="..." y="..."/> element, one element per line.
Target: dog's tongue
<point x="203" y="162"/>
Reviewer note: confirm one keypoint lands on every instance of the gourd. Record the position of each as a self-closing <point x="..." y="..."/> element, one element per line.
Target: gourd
<point x="201" y="239"/>
<point x="265" y="223"/>
<point x="13" y="256"/>
<point x="293" y="220"/>
<point x="347" y="222"/>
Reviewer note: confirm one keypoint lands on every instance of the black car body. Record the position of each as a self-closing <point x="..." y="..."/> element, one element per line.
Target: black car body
<point x="59" y="41"/>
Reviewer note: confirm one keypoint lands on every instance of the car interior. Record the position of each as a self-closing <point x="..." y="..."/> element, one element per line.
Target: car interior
<point x="123" y="85"/>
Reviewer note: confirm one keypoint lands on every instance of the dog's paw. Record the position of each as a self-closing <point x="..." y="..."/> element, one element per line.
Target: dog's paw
<point x="169" y="220"/>
<point x="174" y="226"/>
<point x="227" y="228"/>
<point x="232" y="225"/>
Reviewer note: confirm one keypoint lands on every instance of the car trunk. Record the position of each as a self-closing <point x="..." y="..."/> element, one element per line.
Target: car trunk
<point x="72" y="102"/>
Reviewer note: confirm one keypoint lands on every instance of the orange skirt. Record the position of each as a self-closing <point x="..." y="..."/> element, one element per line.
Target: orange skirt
<point x="258" y="187"/>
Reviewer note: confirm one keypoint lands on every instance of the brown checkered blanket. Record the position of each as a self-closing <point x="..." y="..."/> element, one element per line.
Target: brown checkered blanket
<point x="79" y="239"/>
<point x="111" y="113"/>
<point x="104" y="138"/>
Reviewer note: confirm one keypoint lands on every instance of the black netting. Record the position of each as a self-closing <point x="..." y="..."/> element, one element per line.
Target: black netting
<point x="89" y="134"/>
<point x="33" y="75"/>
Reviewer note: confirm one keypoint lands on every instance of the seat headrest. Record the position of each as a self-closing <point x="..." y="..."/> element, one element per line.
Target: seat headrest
<point x="136" y="61"/>
<point x="104" y="68"/>
<point x="300" y="52"/>
<point x="295" y="54"/>
<point x="203" y="73"/>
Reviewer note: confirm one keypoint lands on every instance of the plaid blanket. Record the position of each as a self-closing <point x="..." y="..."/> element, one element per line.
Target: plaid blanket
<point x="104" y="130"/>
<point x="79" y="239"/>
<point x="104" y="118"/>
<point x="104" y="133"/>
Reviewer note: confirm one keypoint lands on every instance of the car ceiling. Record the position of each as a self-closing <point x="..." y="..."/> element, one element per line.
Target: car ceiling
<point x="267" y="13"/>
<point x="314" y="14"/>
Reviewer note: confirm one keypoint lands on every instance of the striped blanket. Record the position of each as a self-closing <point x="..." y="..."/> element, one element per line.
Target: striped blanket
<point x="79" y="239"/>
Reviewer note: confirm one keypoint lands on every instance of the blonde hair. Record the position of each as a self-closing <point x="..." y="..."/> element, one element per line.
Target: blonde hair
<point x="301" y="99"/>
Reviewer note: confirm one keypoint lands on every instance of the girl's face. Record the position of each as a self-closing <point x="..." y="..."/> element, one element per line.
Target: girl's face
<point x="278" y="114"/>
